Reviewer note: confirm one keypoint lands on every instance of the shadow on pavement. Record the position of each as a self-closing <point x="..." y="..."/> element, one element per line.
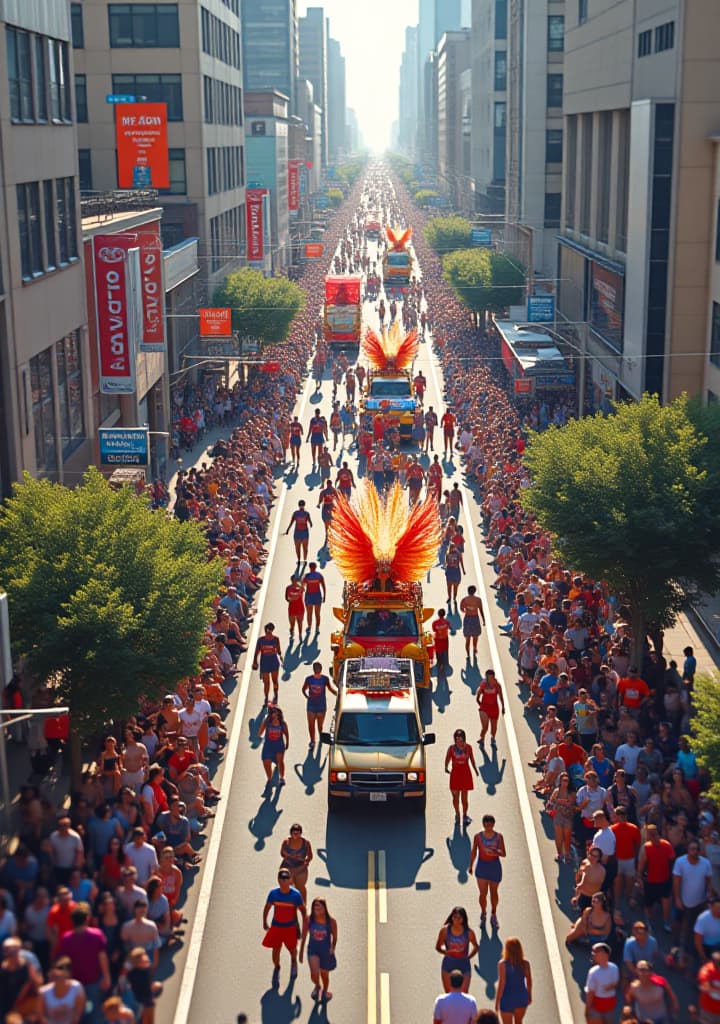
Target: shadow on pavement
<point x="471" y="675"/>
<point x="491" y="771"/>
<point x="488" y="955"/>
<point x="264" y="822"/>
<point x="348" y="840"/>
<point x="310" y="772"/>
<point x="278" y="1007"/>
<point x="442" y="691"/>
<point x="459" y="845"/>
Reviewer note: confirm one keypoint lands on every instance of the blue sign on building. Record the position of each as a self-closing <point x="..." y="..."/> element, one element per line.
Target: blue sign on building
<point x="119" y="97"/>
<point x="124" y="446"/>
<point x="481" y="237"/>
<point x="541" y="309"/>
<point x="322" y="203"/>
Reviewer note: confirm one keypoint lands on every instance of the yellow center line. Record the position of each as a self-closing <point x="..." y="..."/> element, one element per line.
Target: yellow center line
<point x="371" y="945"/>
<point x="382" y="887"/>
<point x="384" y="998"/>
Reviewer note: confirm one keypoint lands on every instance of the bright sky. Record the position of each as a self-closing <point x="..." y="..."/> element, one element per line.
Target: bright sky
<point x="371" y="34"/>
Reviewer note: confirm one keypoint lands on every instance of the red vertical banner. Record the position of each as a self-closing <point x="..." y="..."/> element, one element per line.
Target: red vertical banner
<point x="153" y="292"/>
<point x="114" y="317"/>
<point x="293" y="185"/>
<point x="142" y="145"/>
<point x="254" y="199"/>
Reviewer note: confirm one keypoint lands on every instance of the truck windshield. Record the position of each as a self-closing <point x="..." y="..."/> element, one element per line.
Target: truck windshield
<point x="383" y="622"/>
<point x="396" y="388"/>
<point x="377" y="729"/>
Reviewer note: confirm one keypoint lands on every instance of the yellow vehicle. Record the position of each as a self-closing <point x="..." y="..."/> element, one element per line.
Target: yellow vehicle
<point x="376" y="738"/>
<point x="378" y="622"/>
<point x="391" y="392"/>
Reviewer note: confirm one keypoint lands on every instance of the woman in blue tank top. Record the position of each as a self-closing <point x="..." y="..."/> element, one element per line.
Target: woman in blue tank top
<point x="320" y="933"/>
<point x="514" y="987"/>
<point x="458" y="944"/>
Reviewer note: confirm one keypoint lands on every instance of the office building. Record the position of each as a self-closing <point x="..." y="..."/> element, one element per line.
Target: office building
<point x="336" y="100"/>
<point x="189" y="56"/>
<point x="314" y="65"/>
<point x="638" y="250"/>
<point x="453" y="58"/>
<point x="45" y="381"/>
<point x="408" y="94"/>
<point x="266" y="116"/>
<point x="488" y="57"/>
<point x="435" y="18"/>
<point x="533" y="179"/>
<point x="270" y="46"/>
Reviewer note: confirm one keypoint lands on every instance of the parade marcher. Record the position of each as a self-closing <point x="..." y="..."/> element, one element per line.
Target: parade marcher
<point x="435" y="476"/>
<point x="513" y="994"/>
<point x="295" y="597"/>
<point x="488" y="847"/>
<point x="321" y="931"/>
<point x="431" y="421"/>
<point x="296" y="436"/>
<point x="296" y="853"/>
<point x="317" y="434"/>
<point x="314" y="583"/>
<point x="345" y="481"/>
<point x="326" y="500"/>
<point x="441" y="632"/>
<point x="447" y="422"/>
<point x="315" y="690"/>
<point x="325" y="464"/>
<point x="458" y="759"/>
<point x="458" y="945"/>
<point x="490" y="700"/>
<point x="286" y="903"/>
<point x="473" y="614"/>
<point x="454" y="567"/>
<point x="269" y="653"/>
<point x="301" y="522"/>
<point x="277" y="740"/>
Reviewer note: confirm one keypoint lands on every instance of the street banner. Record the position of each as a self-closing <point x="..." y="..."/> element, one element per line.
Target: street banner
<point x="215" y="323"/>
<point x="116" y="344"/>
<point x="254" y="199"/>
<point x="294" y="185"/>
<point x="313" y="250"/>
<point x="152" y="291"/>
<point x="142" y="145"/>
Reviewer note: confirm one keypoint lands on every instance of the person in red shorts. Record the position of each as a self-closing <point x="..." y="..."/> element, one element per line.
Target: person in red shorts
<point x="284" y="929"/>
<point x="441" y="632"/>
<point x="709" y="985"/>
<point x="447" y="423"/>
<point x="295" y="597"/>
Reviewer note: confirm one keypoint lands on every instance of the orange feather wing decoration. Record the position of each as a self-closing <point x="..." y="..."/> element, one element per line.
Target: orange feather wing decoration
<point x="350" y="546"/>
<point x="407" y="350"/>
<point x="417" y="549"/>
<point x="398" y="239"/>
<point x="374" y="350"/>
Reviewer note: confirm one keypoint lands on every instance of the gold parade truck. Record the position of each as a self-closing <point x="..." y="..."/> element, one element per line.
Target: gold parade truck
<point x="376" y="738"/>
<point x="391" y="392"/>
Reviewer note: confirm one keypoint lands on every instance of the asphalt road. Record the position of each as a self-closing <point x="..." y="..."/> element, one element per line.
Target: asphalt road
<point x="389" y="878"/>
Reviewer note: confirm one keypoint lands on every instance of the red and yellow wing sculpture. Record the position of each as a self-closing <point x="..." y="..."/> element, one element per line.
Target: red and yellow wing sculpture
<point x="398" y="238"/>
<point x="390" y="350"/>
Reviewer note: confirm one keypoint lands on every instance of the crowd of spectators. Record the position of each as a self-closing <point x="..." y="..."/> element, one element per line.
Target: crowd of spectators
<point x="91" y="894"/>
<point x="636" y="831"/>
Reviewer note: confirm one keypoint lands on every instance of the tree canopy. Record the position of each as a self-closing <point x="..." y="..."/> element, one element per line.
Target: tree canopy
<point x="335" y="197"/>
<point x="106" y="596"/>
<point x="445" y="234"/>
<point x="706" y="725"/>
<point x="484" y="279"/>
<point x="262" y="307"/>
<point x="631" y="499"/>
<point x="424" y="196"/>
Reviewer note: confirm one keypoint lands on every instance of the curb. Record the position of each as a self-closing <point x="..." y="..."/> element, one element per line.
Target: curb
<point x="700" y="619"/>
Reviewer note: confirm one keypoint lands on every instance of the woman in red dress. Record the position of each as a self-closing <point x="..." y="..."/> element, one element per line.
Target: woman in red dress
<point x="489" y="699"/>
<point x="458" y="759"/>
<point x="294" y="595"/>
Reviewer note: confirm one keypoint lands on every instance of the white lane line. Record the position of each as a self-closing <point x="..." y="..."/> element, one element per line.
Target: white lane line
<point x="562" y="996"/>
<point x="187" y="984"/>
<point x="384" y="998"/>
<point x="382" y="887"/>
<point x="371" y="943"/>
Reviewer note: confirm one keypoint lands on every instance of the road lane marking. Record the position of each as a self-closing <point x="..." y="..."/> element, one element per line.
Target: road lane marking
<point x="187" y="983"/>
<point x="382" y="887"/>
<point x="384" y="998"/>
<point x="562" y="996"/>
<point x="371" y="944"/>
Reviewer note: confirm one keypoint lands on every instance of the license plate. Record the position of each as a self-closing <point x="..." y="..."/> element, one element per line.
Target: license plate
<point x="378" y="798"/>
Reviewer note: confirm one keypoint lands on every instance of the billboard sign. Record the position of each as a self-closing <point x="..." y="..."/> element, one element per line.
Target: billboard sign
<point x="152" y="291"/>
<point x="293" y="185"/>
<point x="142" y="145"/>
<point x="116" y="342"/>
<point x="313" y="250"/>
<point x="215" y="323"/>
<point x="254" y="202"/>
<point x="524" y="386"/>
<point x="481" y="237"/>
<point x="607" y="301"/>
<point x="541" y="309"/>
<point x="124" y="446"/>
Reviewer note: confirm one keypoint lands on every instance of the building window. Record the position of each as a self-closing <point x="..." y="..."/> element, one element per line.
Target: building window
<point x="43" y="411"/>
<point x="28" y="202"/>
<point x="501" y="18"/>
<point x="553" y="146"/>
<point x="219" y="40"/>
<point x="20" y="75"/>
<point x="582" y="11"/>
<point x="144" y="25"/>
<point x="555" y="90"/>
<point x="570" y="171"/>
<point x="81" y="110"/>
<point x="645" y="43"/>
<point x="76" y="26"/>
<point x="500" y="71"/>
<point x="715" y="335"/>
<point x="552" y="209"/>
<point x="70" y="393"/>
<point x="500" y="116"/>
<point x="59" y="65"/>
<point x="208" y="106"/>
<point x="85" y="169"/>
<point x="586" y="167"/>
<point x="556" y="33"/>
<point x="172" y="234"/>
<point x="665" y="36"/>
<point x="50" y="246"/>
<point x="155" y="89"/>
<point x="65" y="215"/>
<point x="41" y="78"/>
<point x="717" y="234"/>
<point x="178" y="179"/>
<point x="604" y="155"/>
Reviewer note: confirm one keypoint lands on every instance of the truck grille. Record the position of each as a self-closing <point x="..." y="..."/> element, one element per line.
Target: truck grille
<point x="377" y="780"/>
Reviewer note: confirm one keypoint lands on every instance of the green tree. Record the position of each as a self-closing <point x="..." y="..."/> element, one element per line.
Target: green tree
<point x="484" y="279"/>
<point x="107" y="597"/>
<point x="262" y="307"/>
<point x="706" y="726"/>
<point x="445" y="234"/>
<point x="424" y="196"/>
<point x="335" y="197"/>
<point x="629" y="499"/>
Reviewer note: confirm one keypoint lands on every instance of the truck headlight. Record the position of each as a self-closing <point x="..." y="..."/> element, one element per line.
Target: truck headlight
<point x="342" y="776"/>
<point x="412" y="776"/>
